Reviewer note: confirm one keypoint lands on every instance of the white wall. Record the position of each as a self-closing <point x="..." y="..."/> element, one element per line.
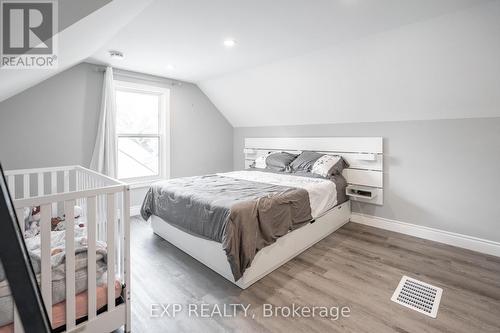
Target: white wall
<point x="442" y="174"/>
<point x="446" y="67"/>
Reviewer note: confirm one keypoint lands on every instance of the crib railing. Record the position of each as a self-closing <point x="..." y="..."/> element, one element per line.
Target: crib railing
<point x="105" y="204"/>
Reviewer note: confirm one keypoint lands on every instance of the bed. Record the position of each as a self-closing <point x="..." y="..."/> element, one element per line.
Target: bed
<point x="78" y="240"/>
<point x="244" y="224"/>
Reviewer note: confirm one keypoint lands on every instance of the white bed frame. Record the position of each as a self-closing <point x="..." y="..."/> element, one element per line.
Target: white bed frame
<point x="366" y="169"/>
<point x="57" y="191"/>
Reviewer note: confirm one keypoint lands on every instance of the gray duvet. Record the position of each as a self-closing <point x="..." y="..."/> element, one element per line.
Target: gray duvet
<point x="244" y="216"/>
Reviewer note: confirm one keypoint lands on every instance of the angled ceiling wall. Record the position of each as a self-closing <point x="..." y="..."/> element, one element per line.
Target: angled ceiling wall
<point x="421" y="60"/>
<point x="445" y="67"/>
<point x="78" y="40"/>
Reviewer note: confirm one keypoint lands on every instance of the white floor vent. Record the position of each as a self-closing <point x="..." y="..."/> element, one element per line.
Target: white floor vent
<point x="418" y="295"/>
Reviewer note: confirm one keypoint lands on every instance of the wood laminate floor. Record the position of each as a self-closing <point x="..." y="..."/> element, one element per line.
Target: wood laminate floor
<point x="357" y="266"/>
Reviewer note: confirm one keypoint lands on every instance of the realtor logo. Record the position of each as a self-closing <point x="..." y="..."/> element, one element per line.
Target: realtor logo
<point x="29" y="30"/>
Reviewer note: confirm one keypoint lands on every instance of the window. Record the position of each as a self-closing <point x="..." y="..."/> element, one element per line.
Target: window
<point x="142" y="131"/>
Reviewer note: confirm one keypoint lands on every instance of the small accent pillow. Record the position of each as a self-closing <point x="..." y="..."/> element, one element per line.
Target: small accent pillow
<point x="328" y="165"/>
<point x="260" y="162"/>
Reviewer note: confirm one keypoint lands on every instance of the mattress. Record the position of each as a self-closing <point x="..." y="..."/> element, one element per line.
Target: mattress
<point x="59" y="309"/>
<point x="244" y="210"/>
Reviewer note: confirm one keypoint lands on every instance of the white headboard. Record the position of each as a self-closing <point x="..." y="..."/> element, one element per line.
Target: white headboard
<point x="364" y="155"/>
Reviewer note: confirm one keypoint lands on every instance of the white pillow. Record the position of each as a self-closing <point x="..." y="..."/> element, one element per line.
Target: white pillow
<point x="324" y="164"/>
<point x="260" y="162"/>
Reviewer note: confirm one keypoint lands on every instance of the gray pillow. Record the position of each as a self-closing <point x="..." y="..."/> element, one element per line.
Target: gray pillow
<point x="305" y="161"/>
<point x="279" y="161"/>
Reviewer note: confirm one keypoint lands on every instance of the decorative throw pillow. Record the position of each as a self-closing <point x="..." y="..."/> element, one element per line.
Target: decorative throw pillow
<point x="260" y="162"/>
<point x="305" y="161"/>
<point x="328" y="165"/>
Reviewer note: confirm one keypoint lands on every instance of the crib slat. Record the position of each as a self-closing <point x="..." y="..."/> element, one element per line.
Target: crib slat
<point x="77" y="180"/>
<point x="66" y="181"/>
<point x="101" y="217"/>
<point x="111" y="250"/>
<point x="26" y="186"/>
<point x="20" y="219"/>
<point x="53" y="190"/>
<point x="46" y="270"/>
<point x="41" y="184"/>
<point x="12" y="186"/>
<point x="126" y="250"/>
<point x="69" y="210"/>
<point x="53" y="182"/>
<point x="18" y="325"/>
<point x="91" y="239"/>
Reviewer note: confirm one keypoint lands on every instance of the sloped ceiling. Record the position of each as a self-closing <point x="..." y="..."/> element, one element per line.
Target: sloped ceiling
<point x="322" y="61"/>
<point x="86" y="28"/>
<point x="188" y="34"/>
<point x="302" y="61"/>
<point x="446" y="67"/>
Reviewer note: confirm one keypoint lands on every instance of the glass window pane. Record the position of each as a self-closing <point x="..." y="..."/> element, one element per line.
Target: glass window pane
<point x="136" y="113"/>
<point x="138" y="157"/>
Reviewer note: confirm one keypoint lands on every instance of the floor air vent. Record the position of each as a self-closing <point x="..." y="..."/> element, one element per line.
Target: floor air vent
<point x="418" y="295"/>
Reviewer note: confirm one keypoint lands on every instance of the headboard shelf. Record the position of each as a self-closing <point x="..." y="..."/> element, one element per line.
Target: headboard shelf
<point x="364" y="155"/>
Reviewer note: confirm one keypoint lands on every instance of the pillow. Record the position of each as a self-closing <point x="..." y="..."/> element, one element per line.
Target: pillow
<point x="305" y="161"/>
<point x="260" y="162"/>
<point x="279" y="161"/>
<point x="328" y="165"/>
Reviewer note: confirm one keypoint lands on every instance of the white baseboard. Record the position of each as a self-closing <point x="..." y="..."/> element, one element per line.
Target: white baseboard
<point x="441" y="236"/>
<point x="135" y="210"/>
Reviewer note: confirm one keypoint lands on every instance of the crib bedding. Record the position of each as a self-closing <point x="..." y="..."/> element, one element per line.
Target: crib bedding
<point x="244" y="210"/>
<point x="58" y="268"/>
<point x="81" y="301"/>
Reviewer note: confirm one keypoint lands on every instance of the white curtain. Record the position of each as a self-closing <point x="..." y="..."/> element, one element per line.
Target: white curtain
<point x="104" y="156"/>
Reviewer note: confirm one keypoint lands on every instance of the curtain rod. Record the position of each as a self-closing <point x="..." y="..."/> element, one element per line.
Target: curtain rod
<point x="139" y="76"/>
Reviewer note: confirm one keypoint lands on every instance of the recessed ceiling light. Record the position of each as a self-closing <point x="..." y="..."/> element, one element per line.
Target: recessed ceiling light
<point x="229" y="43"/>
<point x="170" y="67"/>
<point x="116" y="54"/>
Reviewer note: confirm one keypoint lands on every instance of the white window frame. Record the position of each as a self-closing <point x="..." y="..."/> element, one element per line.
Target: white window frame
<point x="163" y="129"/>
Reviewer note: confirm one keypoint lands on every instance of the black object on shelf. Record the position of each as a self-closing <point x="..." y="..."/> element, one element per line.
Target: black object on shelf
<point x="17" y="266"/>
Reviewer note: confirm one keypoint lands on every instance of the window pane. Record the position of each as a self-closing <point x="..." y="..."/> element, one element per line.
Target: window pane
<point x="138" y="157"/>
<point x="136" y="113"/>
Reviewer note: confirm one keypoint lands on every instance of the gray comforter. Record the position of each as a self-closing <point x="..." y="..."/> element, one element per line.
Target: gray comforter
<point x="244" y="216"/>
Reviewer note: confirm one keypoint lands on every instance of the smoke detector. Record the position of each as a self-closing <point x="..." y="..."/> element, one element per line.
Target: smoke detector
<point x="116" y="54"/>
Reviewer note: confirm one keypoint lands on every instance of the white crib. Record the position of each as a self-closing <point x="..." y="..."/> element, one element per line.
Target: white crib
<point x="102" y="199"/>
